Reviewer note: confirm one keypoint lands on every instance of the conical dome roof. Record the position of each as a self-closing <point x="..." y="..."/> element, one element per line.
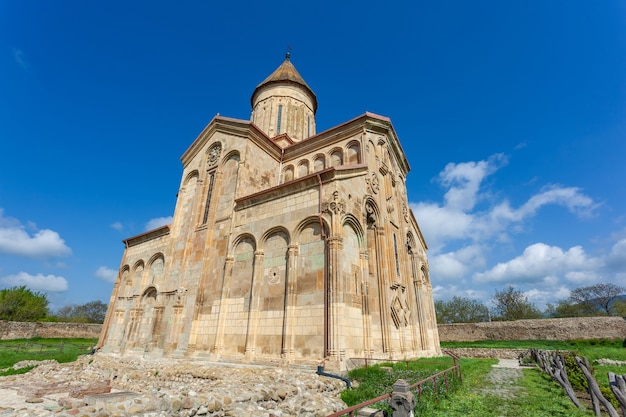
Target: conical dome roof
<point x="285" y="73"/>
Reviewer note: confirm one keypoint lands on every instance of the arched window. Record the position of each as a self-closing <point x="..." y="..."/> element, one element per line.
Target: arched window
<point x="319" y="163"/>
<point x="353" y="156"/>
<point x="303" y="169"/>
<point x="156" y="268"/>
<point x="280" y="116"/>
<point x="336" y="158"/>
<point x="288" y="173"/>
<point x="126" y="276"/>
<point x="137" y="273"/>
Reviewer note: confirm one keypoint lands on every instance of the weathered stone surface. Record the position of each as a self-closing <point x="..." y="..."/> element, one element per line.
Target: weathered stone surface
<point x="542" y="329"/>
<point x="285" y="247"/>
<point x="136" y="389"/>
<point x="26" y="330"/>
<point x="34" y="400"/>
<point x="90" y="389"/>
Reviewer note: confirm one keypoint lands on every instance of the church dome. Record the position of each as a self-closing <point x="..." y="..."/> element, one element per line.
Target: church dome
<point x="285" y="73"/>
<point x="284" y="104"/>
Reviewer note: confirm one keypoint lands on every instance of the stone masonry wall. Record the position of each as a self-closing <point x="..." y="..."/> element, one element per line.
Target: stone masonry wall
<point x="549" y="329"/>
<point x="26" y="330"/>
<point x="543" y="329"/>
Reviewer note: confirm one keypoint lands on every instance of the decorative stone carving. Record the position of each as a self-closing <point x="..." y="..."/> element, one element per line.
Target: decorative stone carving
<point x="390" y="206"/>
<point x="181" y="295"/>
<point x="273" y="277"/>
<point x="373" y="183"/>
<point x="336" y="206"/>
<point x="214" y="155"/>
<point x="370" y="215"/>
<point x="400" y="311"/>
<point x="405" y="213"/>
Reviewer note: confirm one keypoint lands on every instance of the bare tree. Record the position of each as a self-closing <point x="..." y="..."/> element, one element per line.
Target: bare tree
<point x="461" y="310"/>
<point x="512" y="304"/>
<point x="597" y="298"/>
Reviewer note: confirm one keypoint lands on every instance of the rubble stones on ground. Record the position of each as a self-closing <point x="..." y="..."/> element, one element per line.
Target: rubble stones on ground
<point x="165" y="388"/>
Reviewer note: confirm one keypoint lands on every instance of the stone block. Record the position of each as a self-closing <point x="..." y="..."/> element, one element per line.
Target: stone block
<point x="369" y="412"/>
<point x="91" y="389"/>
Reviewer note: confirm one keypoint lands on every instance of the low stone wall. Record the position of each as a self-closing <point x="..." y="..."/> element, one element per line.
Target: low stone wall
<point x="26" y="330"/>
<point x="487" y="353"/>
<point x="543" y="329"/>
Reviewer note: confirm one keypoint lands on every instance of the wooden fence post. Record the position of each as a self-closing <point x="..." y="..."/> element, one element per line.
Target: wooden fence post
<point x="594" y="389"/>
<point x="618" y="386"/>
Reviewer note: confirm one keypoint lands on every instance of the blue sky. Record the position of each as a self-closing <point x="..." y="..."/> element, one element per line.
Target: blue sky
<point x="512" y="115"/>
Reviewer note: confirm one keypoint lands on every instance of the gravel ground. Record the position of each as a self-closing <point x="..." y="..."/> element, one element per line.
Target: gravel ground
<point x="503" y="379"/>
<point x="101" y="386"/>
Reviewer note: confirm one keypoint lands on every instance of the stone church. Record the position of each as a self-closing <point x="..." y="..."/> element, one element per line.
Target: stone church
<point x="286" y="246"/>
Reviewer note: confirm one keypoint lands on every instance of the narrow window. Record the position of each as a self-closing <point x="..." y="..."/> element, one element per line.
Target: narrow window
<point x="208" y="197"/>
<point x="395" y="248"/>
<point x="280" y="114"/>
<point x="308" y="126"/>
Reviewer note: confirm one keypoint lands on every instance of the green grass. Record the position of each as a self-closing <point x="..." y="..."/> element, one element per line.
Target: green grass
<point x="539" y="396"/>
<point x="378" y="379"/>
<point x="62" y="350"/>
<point x="592" y="348"/>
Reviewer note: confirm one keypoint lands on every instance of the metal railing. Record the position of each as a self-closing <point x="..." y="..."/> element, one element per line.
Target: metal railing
<point x="444" y="377"/>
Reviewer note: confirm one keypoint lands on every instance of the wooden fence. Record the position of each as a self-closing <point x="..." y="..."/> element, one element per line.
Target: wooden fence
<point x="441" y="381"/>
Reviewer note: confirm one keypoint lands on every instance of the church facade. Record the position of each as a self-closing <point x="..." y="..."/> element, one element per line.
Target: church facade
<point x="285" y="246"/>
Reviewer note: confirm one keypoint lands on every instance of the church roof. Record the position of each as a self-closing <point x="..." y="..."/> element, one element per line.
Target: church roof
<point x="286" y="72"/>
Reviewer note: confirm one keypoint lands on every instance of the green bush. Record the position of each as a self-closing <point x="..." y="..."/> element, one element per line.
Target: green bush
<point x="576" y="376"/>
<point x="374" y="382"/>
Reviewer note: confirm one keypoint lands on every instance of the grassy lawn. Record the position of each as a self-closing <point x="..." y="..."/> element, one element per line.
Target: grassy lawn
<point x="537" y="395"/>
<point x="592" y="349"/>
<point x="63" y="350"/>
<point x="378" y="379"/>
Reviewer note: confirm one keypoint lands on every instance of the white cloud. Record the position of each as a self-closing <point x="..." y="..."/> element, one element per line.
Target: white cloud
<point x="616" y="260"/>
<point x="37" y="282"/>
<point x="15" y="240"/>
<point x="455" y="266"/>
<point x="458" y="220"/>
<point x="541" y="297"/>
<point x="447" y="292"/>
<point x="158" y="222"/>
<point x="464" y="180"/>
<point x="569" y="197"/>
<point x="107" y="274"/>
<point x="539" y="262"/>
<point x="117" y="226"/>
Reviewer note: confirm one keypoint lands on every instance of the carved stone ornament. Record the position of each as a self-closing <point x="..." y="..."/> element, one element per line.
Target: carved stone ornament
<point x="373" y="183"/>
<point x="336" y="205"/>
<point x="399" y="312"/>
<point x="390" y="206"/>
<point x="405" y="213"/>
<point x="181" y="295"/>
<point x="274" y="276"/>
<point x="370" y="216"/>
<point x="214" y="154"/>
